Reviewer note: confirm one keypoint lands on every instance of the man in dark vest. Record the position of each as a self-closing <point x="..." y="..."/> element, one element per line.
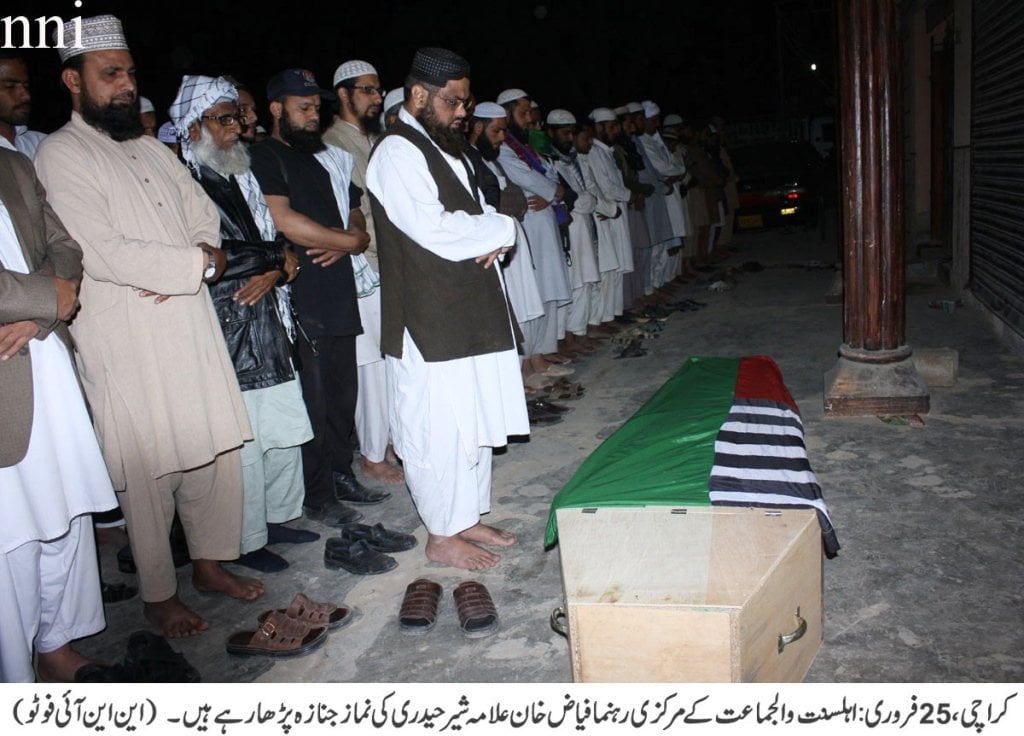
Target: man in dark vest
<point x="447" y="330"/>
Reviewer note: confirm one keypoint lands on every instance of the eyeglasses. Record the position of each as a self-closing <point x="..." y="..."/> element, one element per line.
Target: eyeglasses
<point x="226" y="120"/>
<point x="456" y="102"/>
<point x="369" y="89"/>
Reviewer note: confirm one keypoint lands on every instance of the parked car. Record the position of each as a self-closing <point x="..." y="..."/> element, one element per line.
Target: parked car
<point x="779" y="184"/>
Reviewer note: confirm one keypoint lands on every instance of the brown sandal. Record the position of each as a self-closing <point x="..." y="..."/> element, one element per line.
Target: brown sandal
<point x="315" y="614"/>
<point x="477" y="615"/>
<point x="418" y="613"/>
<point x="278" y="636"/>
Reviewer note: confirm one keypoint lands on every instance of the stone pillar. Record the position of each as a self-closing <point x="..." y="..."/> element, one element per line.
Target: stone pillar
<point x="874" y="373"/>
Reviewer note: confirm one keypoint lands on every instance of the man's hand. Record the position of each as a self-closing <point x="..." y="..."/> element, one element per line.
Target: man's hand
<point x="256" y="288"/>
<point x="14" y="336"/>
<point x="537" y="203"/>
<point x="220" y="260"/>
<point x="67" y="297"/>
<point x="488" y="259"/>
<point x="160" y="298"/>
<point x="291" y="265"/>
<point x="325" y="258"/>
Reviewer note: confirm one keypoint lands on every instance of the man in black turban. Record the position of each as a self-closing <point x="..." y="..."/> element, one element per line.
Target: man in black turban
<point x="447" y="331"/>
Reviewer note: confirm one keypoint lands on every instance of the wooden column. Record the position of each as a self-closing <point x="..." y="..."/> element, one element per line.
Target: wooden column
<point x="874" y="373"/>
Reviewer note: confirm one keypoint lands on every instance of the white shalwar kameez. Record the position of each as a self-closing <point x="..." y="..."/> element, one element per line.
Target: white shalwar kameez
<point x="583" y="272"/>
<point x="446" y="416"/>
<point x="613" y="229"/>
<point x="49" y="580"/>
<point x="520" y="273"/>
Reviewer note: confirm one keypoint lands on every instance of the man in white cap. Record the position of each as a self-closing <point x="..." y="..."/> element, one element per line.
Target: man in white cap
<point x="544" y="192"/>
<point x="659" y="224"/>
<point x="147" y="114"/>
<point x="253" y="314"/>
<point x="163" y="392"/>
<point x="670" y="172"/>
<point x="615" y="251"/>
<point x="447" y="332"/>
<point x="355" y="129"/>
<point x="16" y="105"/>
<point x="392" y="104"/>
<point x="583" y="269"/>
<point x="486" y="134"/>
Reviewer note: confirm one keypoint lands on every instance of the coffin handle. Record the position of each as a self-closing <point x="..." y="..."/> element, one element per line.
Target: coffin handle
<point x="559" y="624"/>
<point x="784" y="639"/>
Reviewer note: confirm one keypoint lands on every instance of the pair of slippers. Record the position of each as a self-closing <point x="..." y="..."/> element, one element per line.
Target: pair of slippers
<point x="292" y="631"/>
<point x="149" y="659"/>
<point x="478" y="616"/>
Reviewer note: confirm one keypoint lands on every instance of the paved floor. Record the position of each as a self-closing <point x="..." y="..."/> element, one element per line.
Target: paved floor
<point x="929" y="585"/>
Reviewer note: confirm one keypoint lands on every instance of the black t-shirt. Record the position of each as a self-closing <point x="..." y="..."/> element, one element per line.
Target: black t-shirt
<point x="325" y="298"/>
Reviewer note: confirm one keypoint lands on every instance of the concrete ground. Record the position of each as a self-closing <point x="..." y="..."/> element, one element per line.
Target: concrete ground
<point x="929" y="585"/>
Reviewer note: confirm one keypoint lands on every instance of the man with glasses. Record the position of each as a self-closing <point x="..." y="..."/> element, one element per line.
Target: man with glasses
<point x="164" y="397"/>
<point x="317" y="209"/>
<point x="253" y="314"/>
<point x="447" y="330"/>
<point x="355" y="129"/>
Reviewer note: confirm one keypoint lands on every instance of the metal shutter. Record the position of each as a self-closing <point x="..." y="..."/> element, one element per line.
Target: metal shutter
<point x="997" y="159"/>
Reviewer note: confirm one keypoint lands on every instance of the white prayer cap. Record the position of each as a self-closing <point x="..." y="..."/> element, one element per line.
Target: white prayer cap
<point x="561" y="117"/>
<point x="634" y="107"/>
<point x="352" y="69"/>
<point x="672" y="119"/>
<point x="489" y="111"/>
<point x="99" y="33"/>
<point x="509" y="95"/>
<point x="650" y="109"/>
<point x="533" y="104"/>
<point x="603" y="115"/>
<point x="145" y="105"/>
<point x="166" y="133"/>
<point x="394" y="97"/>
<point x="621" y="110"/>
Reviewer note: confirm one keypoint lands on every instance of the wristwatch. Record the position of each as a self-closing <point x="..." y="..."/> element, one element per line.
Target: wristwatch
<point x="211" y="267"/>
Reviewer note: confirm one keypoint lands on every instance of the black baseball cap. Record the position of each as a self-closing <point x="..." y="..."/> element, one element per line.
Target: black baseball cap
<point x="295" y="83"/>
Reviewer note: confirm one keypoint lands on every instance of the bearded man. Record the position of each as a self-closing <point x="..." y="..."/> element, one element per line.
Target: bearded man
<point x="447" y="331"/>
<point x="320" y="214"/>
<point x="253" y="314"/>
<point x="163" y="392"/>
<point x="16" y="105"/>
<point x="355" y="129"/>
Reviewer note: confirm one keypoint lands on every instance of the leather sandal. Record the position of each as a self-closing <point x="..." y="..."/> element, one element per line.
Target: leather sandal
<point x="477" y="615"/>
<point x="418" y="613"/>
<point x="315" y="614"/>
<point x="277" y="636"/>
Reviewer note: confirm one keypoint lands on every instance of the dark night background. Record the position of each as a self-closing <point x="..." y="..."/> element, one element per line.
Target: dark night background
<point x="694" y="57"/>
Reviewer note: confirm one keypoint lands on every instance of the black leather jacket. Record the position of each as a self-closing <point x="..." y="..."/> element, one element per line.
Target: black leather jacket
<point x="256" y="338"/>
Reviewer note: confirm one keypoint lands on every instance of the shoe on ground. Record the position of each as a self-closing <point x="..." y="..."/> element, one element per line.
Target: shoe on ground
<point x="347" y="488"/>
<point x="281" y="534"/>
<point x="332" y="514"/>
<point x="542" y="404"/>
<point x="376" y="537"/>
<point x="541" y="418"/>
<point x="262" y="560"/>
<point x="358" y="558"/>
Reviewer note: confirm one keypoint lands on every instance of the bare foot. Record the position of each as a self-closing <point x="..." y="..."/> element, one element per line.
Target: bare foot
<point x="383" y="472"/>
<point x="457" y="552"/>
<point x="175" y="619"/>
<point x="60" y="665"/>
<point x="483" y="534"/>
<point x="210" y="576"/>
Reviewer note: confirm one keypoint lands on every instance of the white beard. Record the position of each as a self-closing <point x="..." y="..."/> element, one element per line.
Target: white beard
<point x="234" y="161"/>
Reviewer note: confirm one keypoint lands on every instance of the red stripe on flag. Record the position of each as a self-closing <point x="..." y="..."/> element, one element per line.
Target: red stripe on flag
<point x="759" y="377"/>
